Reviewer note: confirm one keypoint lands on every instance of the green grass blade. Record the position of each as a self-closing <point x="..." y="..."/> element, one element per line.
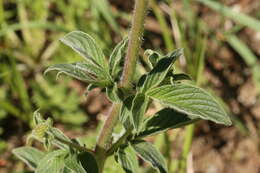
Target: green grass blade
<point x="33" y="25"/>
<point x="242" y="49"/>
<point x="236" y="16"/>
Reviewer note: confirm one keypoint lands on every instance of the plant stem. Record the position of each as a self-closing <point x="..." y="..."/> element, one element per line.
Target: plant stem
<point x="104" y="138"/>
<point x="134" y="44"/>
<point x="113" y="148"/>
<point x="135" y="40"/>
<point x="73" y="145"/>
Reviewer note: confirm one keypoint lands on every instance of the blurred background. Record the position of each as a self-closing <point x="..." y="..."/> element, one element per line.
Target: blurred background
<point x="221" y="41"/>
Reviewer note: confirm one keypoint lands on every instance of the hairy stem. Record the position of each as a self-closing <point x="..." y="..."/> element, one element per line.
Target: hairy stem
<point x="121" y="140"/>
<point x="104" y="138"/>
<point x="135" y="39"/>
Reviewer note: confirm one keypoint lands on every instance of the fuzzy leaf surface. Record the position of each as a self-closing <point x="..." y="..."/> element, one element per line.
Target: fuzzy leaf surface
<point x="163" y="120"/>
<point x="86" y="46"/>
<point x="117" y="57"/>
<point x="82" y="71"/>
<point x="138" y="110"/>
<point x="150" y="154"/>
<point x="73" y="164"/>
<point x="52" y="162"/>
<point x="128" y="159"/>
<point x="29" y="155"/>
<point x="125" y="113"/>
<point x="57" y="133"/>
<point x="190" y="100"/>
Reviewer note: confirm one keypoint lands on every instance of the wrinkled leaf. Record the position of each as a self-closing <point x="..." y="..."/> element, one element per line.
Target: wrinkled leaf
<point x="159" y="72"/>
<point x="163" y="120"/>
<point x="29" y="155"/>
<point x="86" y="46"/>
<point x="150" y="154"/>
<point x="84" y="72"/>
<point x="127" y="159"/>
<point x="190" y="100"/>
<point x="56" y="133"/>
<point x="73" y="71"/>
<point x="73" y="164"/>
<point x="52" y="162"/>
<point x="138" y="110"/>
<point x="117" y="57"/>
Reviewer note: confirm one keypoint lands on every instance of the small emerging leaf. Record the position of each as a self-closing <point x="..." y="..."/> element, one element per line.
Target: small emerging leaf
<point x="29" y="155"/>
<point x="153" y="57"/>
<point x="150" y="154"/>
<point x="127" y="159"/>
<point x="56" y="133"/>
<point x="190" y="100"/>
<point x="163" y="120"/>
<point x="159" y="72"/>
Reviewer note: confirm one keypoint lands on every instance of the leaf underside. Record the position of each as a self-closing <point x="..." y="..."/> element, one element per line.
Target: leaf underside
<point x="150" y="154"/>
<point x="128" y="159"/>
<point x="163" y="120"/>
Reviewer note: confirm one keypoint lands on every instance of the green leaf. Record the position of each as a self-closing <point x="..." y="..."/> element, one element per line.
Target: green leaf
<point x="82" y="71"/>
<point x="159" y="72"/>
<point x="89" y="162"/>
<point x="127" y="159"/>
<point x="86" y="46"/>
<point x="181" y="76"/>
<point x="73" y="164"/>
<point x="190" y="100"/>
<point x="163" y="120"/>
<point x="153" y="57"/>
<point x="117" y="57"/>
<point x="138" y="110"/>
<point x="112" y="93"/>
<point x="124" y="117"/>
<point x="52" y="162"/>
<point x="29" y="155"/>
<point x="56" y="133"/>
<point x="150" y="154"/>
